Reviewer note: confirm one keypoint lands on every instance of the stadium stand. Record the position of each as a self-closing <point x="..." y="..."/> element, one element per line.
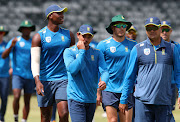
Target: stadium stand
<point x="94" y="12"/>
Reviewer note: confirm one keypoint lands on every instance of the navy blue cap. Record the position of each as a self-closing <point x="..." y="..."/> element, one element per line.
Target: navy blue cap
<point x="153" y="21"/>
<point x="86" y="29"/>
<point x="166" y="23"/>
<point x="133" y="28"/>
<point x="54" y="8"/>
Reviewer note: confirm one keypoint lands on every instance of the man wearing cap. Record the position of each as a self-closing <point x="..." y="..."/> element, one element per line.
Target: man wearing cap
<point x="116" y="50"/>
<point x="83" y="64"/>
<point x="151" y="64"/>
<point x="132" y="33"/>
<point x="48" y="66"/>
<point x="22" y="77"/>
<point x="165" y="34"/>
<point x="4" y="75"/>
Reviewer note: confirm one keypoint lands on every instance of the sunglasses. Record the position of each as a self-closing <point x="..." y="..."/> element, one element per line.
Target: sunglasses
<point x="120" y="25"/>
<point x="154" y="28"/>
<point x="165" y="29"/>
<point x="132" y="32"/>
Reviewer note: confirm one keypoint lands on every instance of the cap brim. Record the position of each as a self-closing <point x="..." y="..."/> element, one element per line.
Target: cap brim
<point x="60" y="10"/>
<point x="109" y="30"/>
<point x="33" y="27"/>
<point x="86" y="33"/>
<point x="166" y="25"/>
<point x="152" y="24"/>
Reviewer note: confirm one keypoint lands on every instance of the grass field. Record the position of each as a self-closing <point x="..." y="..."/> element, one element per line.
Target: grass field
<point x="34" y="115"/>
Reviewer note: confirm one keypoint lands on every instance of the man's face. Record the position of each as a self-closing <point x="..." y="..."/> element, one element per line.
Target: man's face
<point x="57" y="17"/>
<point x="119" y="29"/>
<point x="26" y="31"/>
<point x="166" y="32"/>
<point x="86" y="38"/>
<point x="153" y="32"/>
<point x="131" y="34"/>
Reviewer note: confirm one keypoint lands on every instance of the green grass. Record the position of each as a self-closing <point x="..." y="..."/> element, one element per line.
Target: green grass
<point x="34" y="115"/>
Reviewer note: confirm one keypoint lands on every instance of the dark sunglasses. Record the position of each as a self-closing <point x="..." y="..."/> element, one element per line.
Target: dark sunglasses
<point x="154" y="28"/>
<point x="120" y="25"/>
<point x="165" y="29"/>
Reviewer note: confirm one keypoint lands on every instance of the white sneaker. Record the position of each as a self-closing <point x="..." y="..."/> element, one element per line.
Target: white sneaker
<point x="104" y="115"/>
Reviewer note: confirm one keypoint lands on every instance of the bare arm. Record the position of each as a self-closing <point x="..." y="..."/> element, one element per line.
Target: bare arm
<point x="72" y="39"/>
<point x="5" y="54"/>
<point x="36" y="42"/>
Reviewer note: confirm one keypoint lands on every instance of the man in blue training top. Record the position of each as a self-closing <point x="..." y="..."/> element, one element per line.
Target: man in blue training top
<point x="116" y="50"/>
<point x="22" y="77"/>
<point x="4" y="74"/>
<point x="151" y="64"/>
<point x="48" y="66"/>
<point x="83" y="63"/>
<point x="165" y="34"/>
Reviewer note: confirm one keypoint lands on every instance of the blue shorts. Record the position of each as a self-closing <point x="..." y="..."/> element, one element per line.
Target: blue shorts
<point x="53" y="90"/>
<point x="81" y="112"/>
<point x="20" y="83"/>
<point x="151" y="113"/>
<point x="113" y="99"/>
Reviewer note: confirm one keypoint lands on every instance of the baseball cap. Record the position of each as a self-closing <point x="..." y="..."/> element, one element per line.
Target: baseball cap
<point x="133" y="28"/>
<point x="153" y="21"/>
<point x="117" y="18"/>
<point x="54" y="8"/>
<point x="86" y="29"/>
<point x="166" y="23"/>
<point x="3" y="29"/>
<point x="28" y="24"/>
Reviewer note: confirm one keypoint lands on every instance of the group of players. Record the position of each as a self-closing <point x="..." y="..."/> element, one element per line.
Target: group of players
<point x="77" y="77"/>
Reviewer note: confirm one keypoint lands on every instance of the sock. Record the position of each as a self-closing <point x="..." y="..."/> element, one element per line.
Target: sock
<point x="16" y="117"/>
<point x="24" y="120"/>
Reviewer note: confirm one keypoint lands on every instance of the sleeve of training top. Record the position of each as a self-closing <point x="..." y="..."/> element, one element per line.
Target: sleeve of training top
<point x="101" y="47"/>
<point x="176" y="64"/>
<point x="73" y="64"/>
<point x="130" y="76"/>
<point x="103" y="68"/>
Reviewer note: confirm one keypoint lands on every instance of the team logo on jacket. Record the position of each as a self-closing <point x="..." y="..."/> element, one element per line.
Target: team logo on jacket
<point x="113" y="49"/>
<point x="48" y="39"/>
<point x="92" y="57"/>
<point x="126" y="49"/>
<point x="21" y="44"/>
<point x="62" y="38"/>
<point x="163" y="51"/>
<point x="147" y="51"/>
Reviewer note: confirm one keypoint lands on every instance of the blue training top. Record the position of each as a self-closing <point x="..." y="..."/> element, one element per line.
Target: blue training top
<point x="178" y="46"/>
<point x="4" y="63"/>
<point x="21" y="57"/>
<point x="53" y="44"/>
<point x="116" y="55"/>
<point x="153" y="68"/>
<point x="83" y="67"/>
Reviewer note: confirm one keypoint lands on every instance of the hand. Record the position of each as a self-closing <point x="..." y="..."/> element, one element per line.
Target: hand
<point x="40" y="88"/>
<point x="123" y="107"/>
<point x="99" y="98"/>
<point x="179" y="102"/>
<point x="102" y="85"/>
<point x="80" y="45"/>
<point x="14" y="42"/>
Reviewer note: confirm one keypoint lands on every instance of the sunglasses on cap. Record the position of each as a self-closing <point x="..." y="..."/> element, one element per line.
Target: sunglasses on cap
<point x="120" y="25"/>
<point x="165" y="29"/>
<point x="154" y="28"/>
